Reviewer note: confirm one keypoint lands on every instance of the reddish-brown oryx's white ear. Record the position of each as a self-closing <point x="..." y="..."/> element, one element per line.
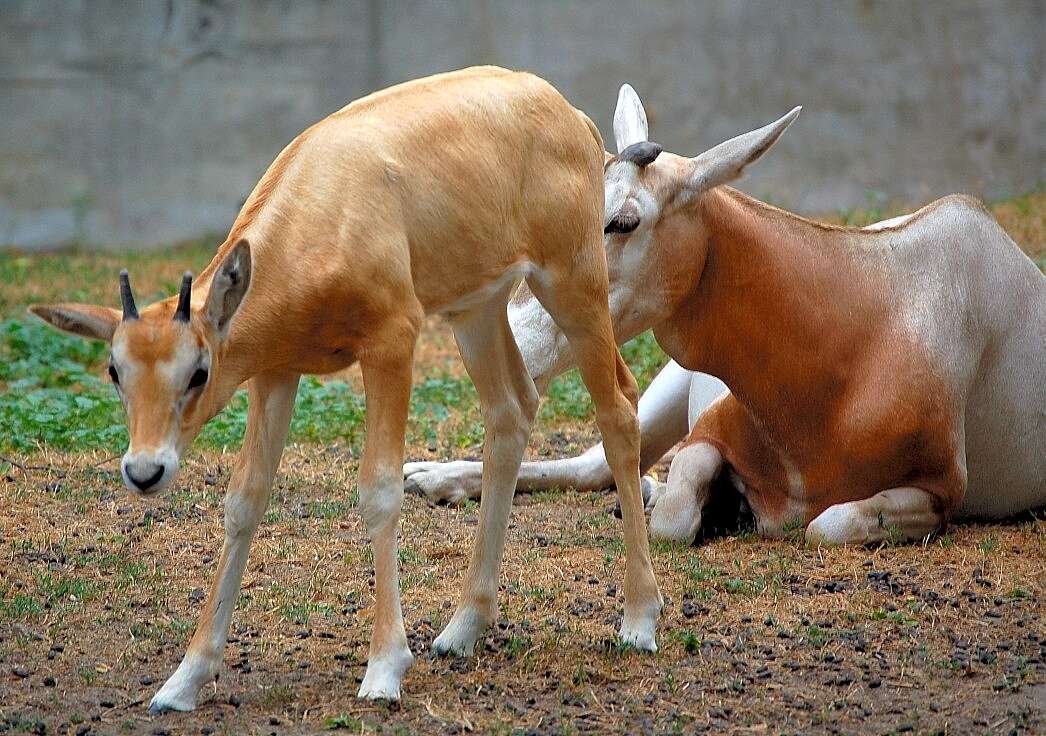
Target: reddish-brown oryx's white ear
<point x="630" y="124"/>
<point x="85" y="320"/>
<point x="228" y="287"/>
<point x="728" y="160"/>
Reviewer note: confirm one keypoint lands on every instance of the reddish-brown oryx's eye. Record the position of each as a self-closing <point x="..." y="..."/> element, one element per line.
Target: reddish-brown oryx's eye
<point x="199" y="377"/>
<point x="114" y="375"/>
<point x="622" y="224"/>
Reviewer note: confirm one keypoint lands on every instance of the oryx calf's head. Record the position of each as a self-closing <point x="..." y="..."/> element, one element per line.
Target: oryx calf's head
<point x="163" y="363"/>
<point x="656" y="243"/>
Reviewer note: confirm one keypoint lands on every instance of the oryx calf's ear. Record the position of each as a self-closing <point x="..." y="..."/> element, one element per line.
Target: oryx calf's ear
<point x="229" y="286"/>
<point x="85" y="320"/>
<point x="728" y="160"/>
<point x="630" y="124"/>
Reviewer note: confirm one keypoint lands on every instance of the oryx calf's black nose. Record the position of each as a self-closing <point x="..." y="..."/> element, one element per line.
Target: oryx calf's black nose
<point x="148" y="481"/>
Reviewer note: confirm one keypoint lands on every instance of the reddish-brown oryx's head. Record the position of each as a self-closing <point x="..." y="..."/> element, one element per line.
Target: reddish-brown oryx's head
<point x="656" y="243"/>
<point x="164" y="362"/>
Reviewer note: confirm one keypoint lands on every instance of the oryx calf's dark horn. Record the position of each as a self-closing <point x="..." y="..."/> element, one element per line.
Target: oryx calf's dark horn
<point x="182" y="313"/>
<point x="129" y="310"/>
<point x="641" y="154"/>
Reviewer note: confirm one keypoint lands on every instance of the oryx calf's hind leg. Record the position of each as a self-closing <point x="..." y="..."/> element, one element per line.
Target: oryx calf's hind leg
<point x="509" y="400"/>
<point x="576" y="297"/>
<point x="268" y="417"/>
<point x="899" y="514"/>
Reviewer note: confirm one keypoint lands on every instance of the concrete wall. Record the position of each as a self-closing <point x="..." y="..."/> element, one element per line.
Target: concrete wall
<point x="125" y="122"/>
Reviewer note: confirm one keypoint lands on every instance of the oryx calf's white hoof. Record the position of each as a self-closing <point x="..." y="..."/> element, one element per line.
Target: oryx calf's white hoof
<point x="384" y="674"/>
<point x="450" y="483"/>
<point x="180" y="690"/>
<point x="461" y="634"/>
<point x="641" y="635"/>
<point x="639" y="625"/>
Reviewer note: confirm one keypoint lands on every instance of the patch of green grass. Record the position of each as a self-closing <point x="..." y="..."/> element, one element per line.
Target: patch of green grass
<point x="52" y="394"/>
<point x="539" y="593"/>
<point x="335" y="723"/>
<point x="989" y="544"/>
<point x="19" y="606"/>
<point x="690" y="641"/>
<point x="517" y="645"/>
<point x="568" y="398"/>
<point x="58" y="589"/>
<point x="644" y="357"/>
<point x="301" y="612"/>
<point x="739" y="586"/>
<point x="327" y="509"/>
<point x="53" y="591"/>
<point x="87" y="675"/>
<point x="899" y="618"/>
<point x="817" y="636"/>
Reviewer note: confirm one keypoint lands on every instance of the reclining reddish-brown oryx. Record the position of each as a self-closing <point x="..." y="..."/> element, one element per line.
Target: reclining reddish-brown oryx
<point x="884" y="379"/>
<point x="435" y="196"/>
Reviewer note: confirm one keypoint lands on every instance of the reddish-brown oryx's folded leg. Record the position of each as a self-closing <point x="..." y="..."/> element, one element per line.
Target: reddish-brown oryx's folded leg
<point x="676" y="506"/>
<point x="898" y="514"/>
<point x="387" y="381"/>
<point x="509" y="400"/>
<point x="268" y="417"/>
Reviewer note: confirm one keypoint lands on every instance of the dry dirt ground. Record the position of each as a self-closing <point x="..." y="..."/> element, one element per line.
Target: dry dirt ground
<point x="946" y="637"/>
<point x="99" y="593"/>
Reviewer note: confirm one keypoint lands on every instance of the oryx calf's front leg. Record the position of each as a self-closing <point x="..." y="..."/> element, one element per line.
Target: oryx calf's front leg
<point x="268" y="417"/>
<point x="387" y="382"/>
<point x="509" y="400"/>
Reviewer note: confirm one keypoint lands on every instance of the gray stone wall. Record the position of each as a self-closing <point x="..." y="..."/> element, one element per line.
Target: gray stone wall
<point x="143" y="122"/>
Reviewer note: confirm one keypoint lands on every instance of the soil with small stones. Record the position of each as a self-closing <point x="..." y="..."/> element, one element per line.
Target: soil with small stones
<point x="99" y="593"/>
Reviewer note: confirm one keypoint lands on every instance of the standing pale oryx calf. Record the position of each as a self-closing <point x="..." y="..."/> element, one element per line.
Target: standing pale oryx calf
<point x="434" y="196"/>
<point x="885" y="379"/>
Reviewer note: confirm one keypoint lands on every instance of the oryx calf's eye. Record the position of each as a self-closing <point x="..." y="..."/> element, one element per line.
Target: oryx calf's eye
<point x="114" y="375"/>
<point x="199" y="377"/>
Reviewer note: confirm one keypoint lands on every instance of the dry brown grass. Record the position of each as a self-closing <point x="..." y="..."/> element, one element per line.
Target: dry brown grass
<point x="756" y="635"/>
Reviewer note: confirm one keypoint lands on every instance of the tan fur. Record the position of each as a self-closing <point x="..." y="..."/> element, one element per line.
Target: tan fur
<point x="435" y="196"/>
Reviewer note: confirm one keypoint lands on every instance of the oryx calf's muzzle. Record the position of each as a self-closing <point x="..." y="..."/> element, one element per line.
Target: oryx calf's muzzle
<point x="149" y="471"/>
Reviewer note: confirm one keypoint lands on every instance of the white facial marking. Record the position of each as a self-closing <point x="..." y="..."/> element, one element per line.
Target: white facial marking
<point x="148" y="470"/>
<point x="618" y="183"/>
